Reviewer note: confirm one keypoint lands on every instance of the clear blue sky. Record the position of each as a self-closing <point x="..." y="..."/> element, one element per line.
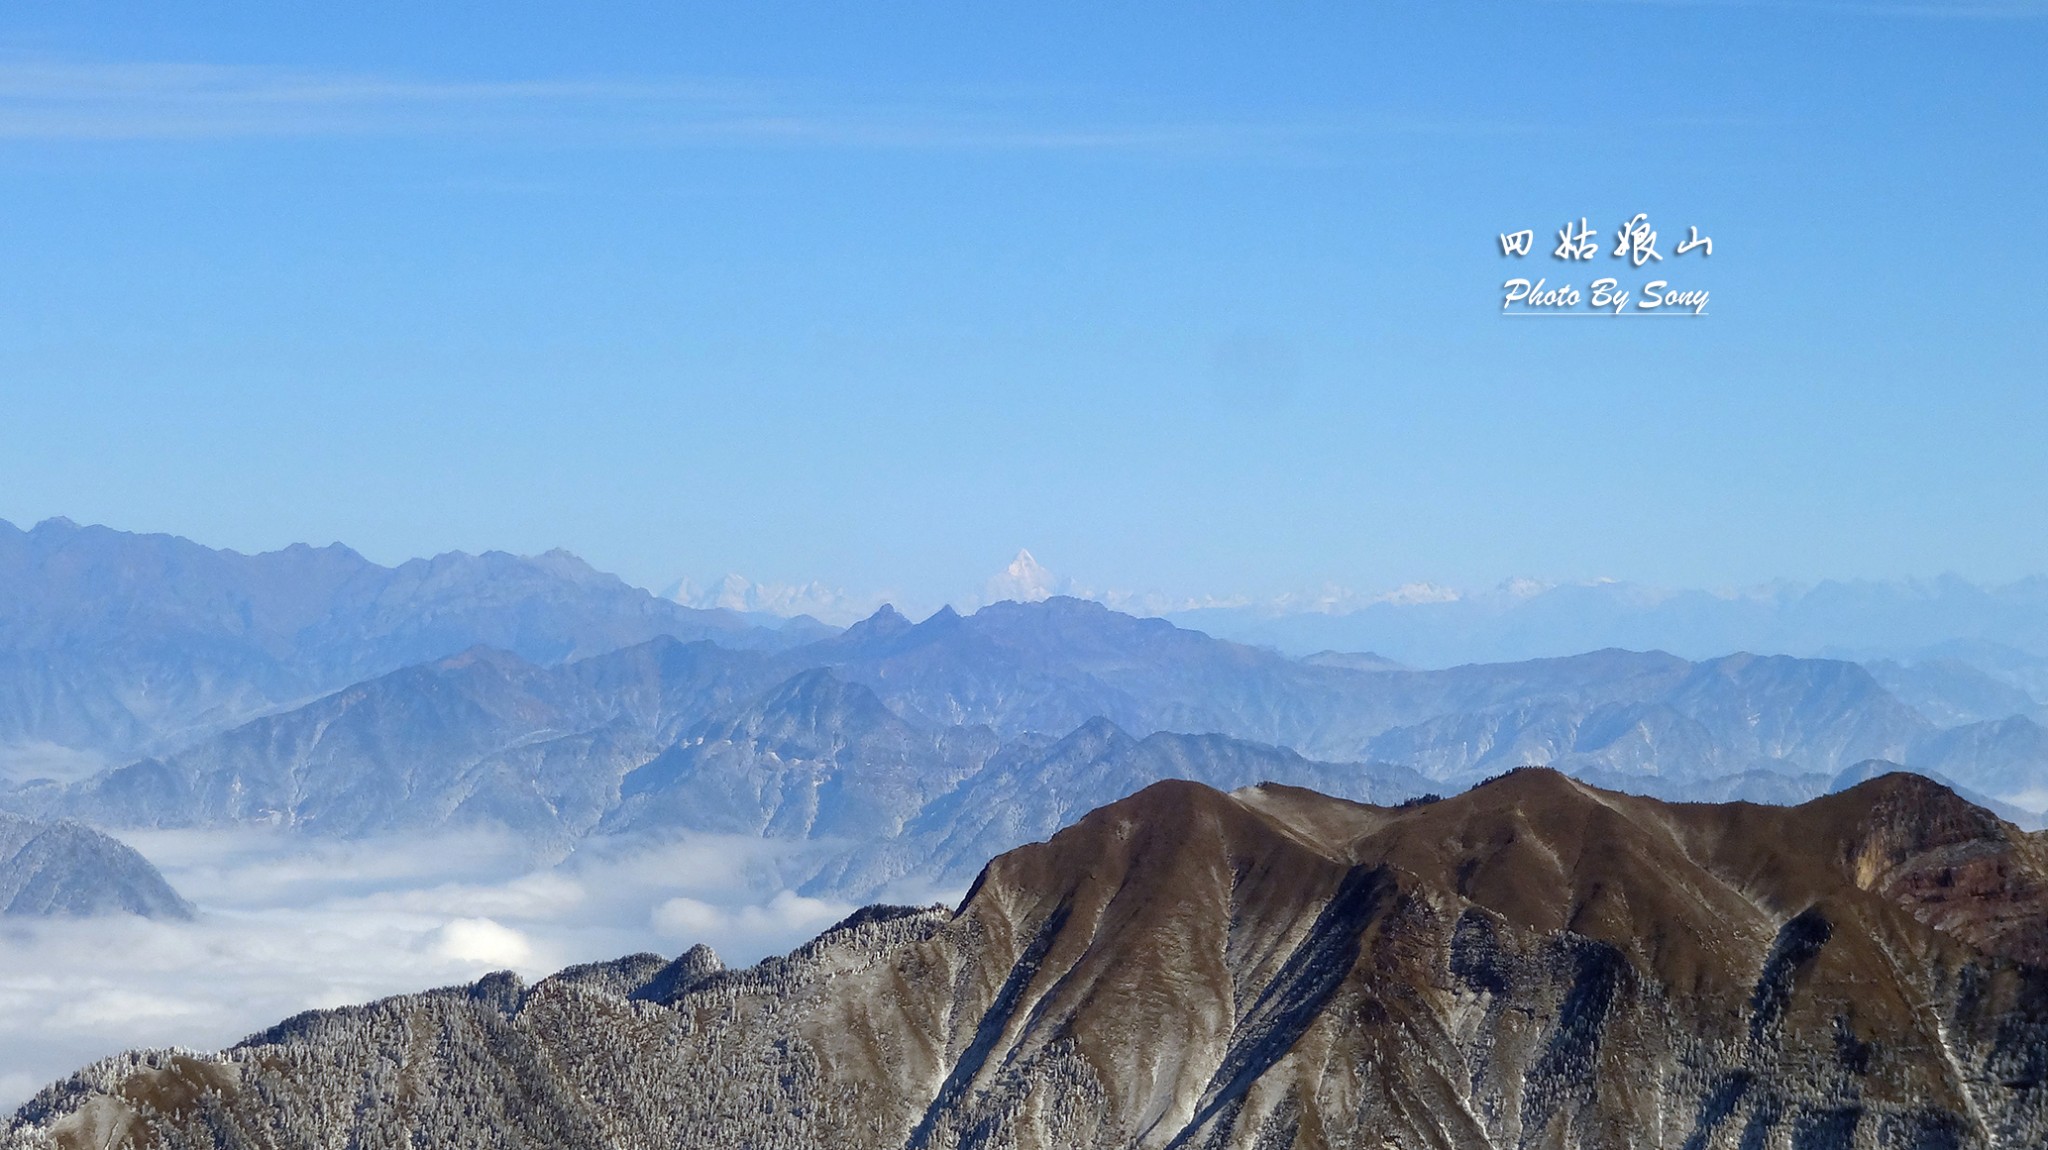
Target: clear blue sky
<point x="1194" y="298"/>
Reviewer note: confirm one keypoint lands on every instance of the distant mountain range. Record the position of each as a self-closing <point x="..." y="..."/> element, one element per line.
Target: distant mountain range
<point x="1997" y="631"/>
<point x="923" y="748"/>
<point x="64" y="869"/>
<point x="1534" y="963"/>
<point x="2001" y="630"/>
<point x="1649" y="721"/>
<point x="114" y="644"/>
<point x="660" y="738"/>
<point x="539" y="695"/>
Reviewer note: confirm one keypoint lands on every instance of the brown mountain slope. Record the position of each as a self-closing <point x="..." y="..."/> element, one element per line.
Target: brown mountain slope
<point x="1534" y="963"/>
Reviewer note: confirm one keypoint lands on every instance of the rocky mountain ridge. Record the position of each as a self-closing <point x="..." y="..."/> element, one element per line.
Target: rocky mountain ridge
<point x="1535" y="963"/>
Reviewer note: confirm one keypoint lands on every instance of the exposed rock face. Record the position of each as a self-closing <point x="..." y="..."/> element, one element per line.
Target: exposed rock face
<point x="63" y="868"/>
<point x="1535" y="963"/>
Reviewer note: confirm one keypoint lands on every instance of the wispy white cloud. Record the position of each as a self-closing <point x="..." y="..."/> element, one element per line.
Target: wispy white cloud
<point x="785" y="913"/>
<point x="23" y="761"/>
<point x="59" y="100"/>
<point x="72" y="100"/>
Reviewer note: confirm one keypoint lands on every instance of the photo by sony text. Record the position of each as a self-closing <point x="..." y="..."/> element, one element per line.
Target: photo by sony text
<point x="1635" y="241"/>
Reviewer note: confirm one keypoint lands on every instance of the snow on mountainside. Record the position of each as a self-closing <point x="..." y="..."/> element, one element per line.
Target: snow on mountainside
<point x="63" y="868"/>
<point x="1532" y="963"/>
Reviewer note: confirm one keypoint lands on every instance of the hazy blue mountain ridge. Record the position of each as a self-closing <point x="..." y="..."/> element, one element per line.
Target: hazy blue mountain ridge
<point x="861" y="736"/>
<point x="1854" y="618"/>
<point x="64" y="868"/>
<point x="481" y="736"/>
<point x="952" y="735"/>
<point x="814" y="758"/>
<point x="118" y="644"/>
<point x="659" y="739"/>
<point x="679" y="744"/>
<point x="1053" y="665"/>
<point x="1951" y="691"/>
<point x="2003" y="758"/>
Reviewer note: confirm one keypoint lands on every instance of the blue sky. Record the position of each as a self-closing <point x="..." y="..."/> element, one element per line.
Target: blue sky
<point x="1198" y="299"/>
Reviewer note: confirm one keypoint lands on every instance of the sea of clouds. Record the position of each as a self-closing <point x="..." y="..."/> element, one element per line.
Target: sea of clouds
<point x="288" y="924"/>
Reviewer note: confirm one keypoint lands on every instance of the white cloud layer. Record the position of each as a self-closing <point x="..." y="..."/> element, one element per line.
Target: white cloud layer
<point x="287" y="924"/>
<point x="20" y="762"/>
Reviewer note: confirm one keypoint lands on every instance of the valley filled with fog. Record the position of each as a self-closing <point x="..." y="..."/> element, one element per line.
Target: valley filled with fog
<point x="287" y="924"/>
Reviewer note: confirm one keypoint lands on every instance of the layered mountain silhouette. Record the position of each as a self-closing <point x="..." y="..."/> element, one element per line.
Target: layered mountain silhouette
<point x="923" y="748"/>
<point x="2002" y="629"/>
<point x="51" y="869"/>
<point x="481" y="736"/>
<point x="1951" y="692"/>
<point x="661" y="738"/>
<point x="115" y="644"/>
<point x="1655" y="721"/>
<point x="1534" y="963"/>
<point x="312" y="689"/>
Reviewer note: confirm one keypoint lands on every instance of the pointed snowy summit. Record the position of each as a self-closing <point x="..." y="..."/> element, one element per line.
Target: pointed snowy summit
<point x="1025" y="580"/>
